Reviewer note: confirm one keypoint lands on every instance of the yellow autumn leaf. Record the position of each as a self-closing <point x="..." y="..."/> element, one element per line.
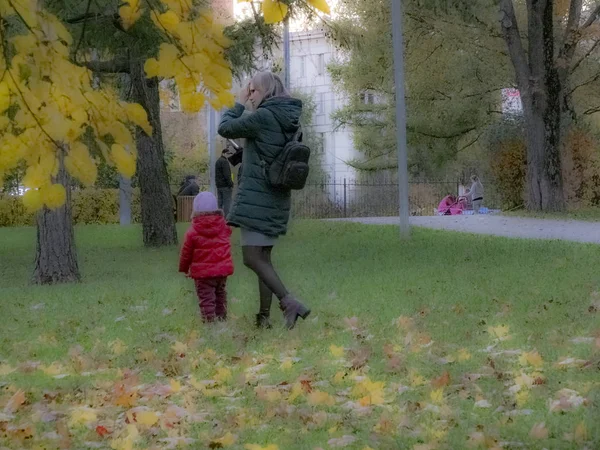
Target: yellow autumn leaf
<point x="437" y="396"/>
<point x="531" y="358"/>
<point x="169" y="21"/>
<point x="4" y="96"/>
<point x="296" y="392"/>
<point x="286" y="364"/>
<point x="146" y="418"/>
<point x="336" y="351"/>
<point x="82" y="416"/>
<point x="321" y="5"/>
<point x="320" y="398"/>
<point x="464" y="355"/>
<point x="500" y="332"/>
<point x="223" y="375"/>
<point x="259" y="447"/>
<point x="118" y="347"/>
<point x="339" y="378"/>
<point x="175" y="386"/>
<point x="137" y="114"/>
<point x="226" y="441"/>
<point x="416" y="379"/>
<point x="130" y="13"/>
<point x="521" y="398"/>
<point x="274" y="11"/>
<point x="581" y="433"/>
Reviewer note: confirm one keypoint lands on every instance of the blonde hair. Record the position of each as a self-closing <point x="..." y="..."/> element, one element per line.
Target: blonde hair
<point x="270" y="85"/>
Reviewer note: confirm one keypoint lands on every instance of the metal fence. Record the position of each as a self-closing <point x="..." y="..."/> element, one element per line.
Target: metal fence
<point x="346" y="198"/>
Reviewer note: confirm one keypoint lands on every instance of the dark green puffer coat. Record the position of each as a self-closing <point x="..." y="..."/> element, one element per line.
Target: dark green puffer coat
<point x="257" y="206"/>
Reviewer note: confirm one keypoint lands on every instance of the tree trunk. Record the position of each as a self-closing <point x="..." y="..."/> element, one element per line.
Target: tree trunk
<point x="155" y="194"/>
<point x="540" y="86"/>
<point x="56" y="258"/>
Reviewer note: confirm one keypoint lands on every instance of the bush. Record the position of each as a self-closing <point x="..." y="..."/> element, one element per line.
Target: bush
<point x="89" y="206"/>
<point x="509" y="171"/>
<point x="581" y="168"/>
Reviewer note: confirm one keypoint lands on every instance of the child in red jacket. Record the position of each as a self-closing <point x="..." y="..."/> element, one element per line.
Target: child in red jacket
<point x="206" y="256"/>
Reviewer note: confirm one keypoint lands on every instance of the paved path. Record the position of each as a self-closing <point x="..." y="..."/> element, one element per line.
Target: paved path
<point x="517" y="227"/>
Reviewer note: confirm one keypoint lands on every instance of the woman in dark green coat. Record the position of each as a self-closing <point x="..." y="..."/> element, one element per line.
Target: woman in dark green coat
<point x="260" y="211"/>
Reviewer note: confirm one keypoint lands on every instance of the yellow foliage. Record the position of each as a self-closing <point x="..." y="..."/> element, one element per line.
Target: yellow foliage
<point x="274" y="11"/>
<point x="130" y="13"/>
<point x="437" y="396"/>
<point x="321" y="5"/>
<point x="226" y="441"/>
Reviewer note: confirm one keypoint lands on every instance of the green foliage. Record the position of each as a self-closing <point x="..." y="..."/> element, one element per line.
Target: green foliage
<point x="454" y="70"/>
<point x="310" y="137"/>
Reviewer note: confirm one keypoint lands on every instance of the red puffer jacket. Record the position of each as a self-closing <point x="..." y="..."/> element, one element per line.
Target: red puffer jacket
<point x="206" y="251"/>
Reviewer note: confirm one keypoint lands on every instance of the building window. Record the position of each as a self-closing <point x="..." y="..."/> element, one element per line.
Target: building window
<point x="320" y="104"/>
<point x="302" y="68"/>
<point x="321" y="64"/>
<point x="320" y="147"/>
<point x="368" y="98"/>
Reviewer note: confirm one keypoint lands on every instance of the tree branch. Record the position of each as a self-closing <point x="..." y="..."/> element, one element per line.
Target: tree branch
<point x="583" y="58"/>
<point x="592" y="110"/>
<point x="90" y="16"/>
<point x="595" y="15"/>
<point x="117" y="65"/>
<point x="512" y="36"/>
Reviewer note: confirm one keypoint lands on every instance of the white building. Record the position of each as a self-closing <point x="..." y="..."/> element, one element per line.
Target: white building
<point x="311" y="52"/>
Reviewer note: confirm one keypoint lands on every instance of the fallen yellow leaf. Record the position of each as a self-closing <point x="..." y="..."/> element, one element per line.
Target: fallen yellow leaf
<point x="258" y="447"/>
<point x="286" y="364"/>
<point x="175" y="386"/>
<point x="464" y="355"/>
<point x="297" y="391"/>
<point x="226" y="441"/>
<point x="500" y="332"/>
<point x="146" y="418"/>
<point x="118" y="347"/>
<point x="437" y="396"/>
<point x="82" y="416"/>
<point x="531" y="358"/>
<point x="336" y="351"/>
<point x="223" y="375"/>
<point x="320" y="398"/>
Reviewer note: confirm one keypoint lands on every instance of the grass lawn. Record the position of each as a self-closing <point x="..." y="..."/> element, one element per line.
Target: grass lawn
<point x="585" y="214"/>
<point x="448" y="341"/>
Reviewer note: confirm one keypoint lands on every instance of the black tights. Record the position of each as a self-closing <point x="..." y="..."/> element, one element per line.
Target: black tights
<point x="258" y="259"/>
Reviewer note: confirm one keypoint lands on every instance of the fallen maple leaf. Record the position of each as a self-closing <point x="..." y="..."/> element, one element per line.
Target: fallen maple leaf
<point x="441" y="381"/>
<point x="320" y="398"/>
<point x="146" y="418"/>
<point x="15" y="402"/>
<point x="539" y="431"/>
<point x="102" y="430"/>
<point x="531" y="358"/>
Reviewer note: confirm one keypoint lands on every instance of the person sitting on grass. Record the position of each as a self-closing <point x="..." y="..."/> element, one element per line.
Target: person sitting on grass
<point x="206" y="256"/>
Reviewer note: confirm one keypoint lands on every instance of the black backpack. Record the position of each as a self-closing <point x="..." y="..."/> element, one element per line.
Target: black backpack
<point x="289" y="169"/>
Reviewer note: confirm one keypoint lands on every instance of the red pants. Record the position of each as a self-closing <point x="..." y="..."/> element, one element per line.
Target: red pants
<point x="212" y="297"/>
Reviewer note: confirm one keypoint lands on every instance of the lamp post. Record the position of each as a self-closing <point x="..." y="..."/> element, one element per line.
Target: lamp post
<point x="398" y="44"/>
